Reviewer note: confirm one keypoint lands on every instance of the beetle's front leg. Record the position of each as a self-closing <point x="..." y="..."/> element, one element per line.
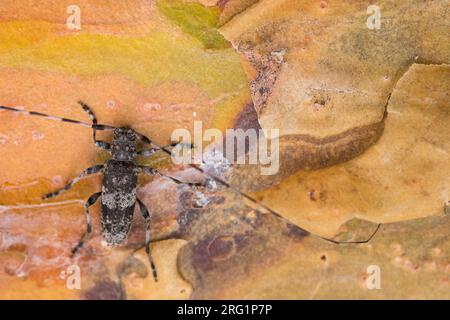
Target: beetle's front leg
<point x="99" y="143"/>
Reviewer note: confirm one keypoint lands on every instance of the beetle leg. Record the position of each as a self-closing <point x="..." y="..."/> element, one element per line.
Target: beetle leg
<point x="147" y="218"/>
<point x="92" y="199"/>
<point x="100" y="144"/>
<point x="88" y="171"/>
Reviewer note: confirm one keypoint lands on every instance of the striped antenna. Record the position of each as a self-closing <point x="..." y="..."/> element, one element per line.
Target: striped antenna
<point x="252" y="199"/>
<point x="43" y="115"/>
<point x="262" y="205"/>
<point x="143" y="138"/>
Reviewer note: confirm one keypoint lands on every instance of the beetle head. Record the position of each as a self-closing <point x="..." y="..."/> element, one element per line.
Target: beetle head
<point x="124" y="144"/>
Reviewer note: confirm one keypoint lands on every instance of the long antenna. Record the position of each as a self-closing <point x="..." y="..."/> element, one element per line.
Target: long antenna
<point x="262" y="205"/>
<point x="196" y="167"/>
<point x="43" y="115"/>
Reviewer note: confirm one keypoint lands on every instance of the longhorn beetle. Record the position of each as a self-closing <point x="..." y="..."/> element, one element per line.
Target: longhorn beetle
<point x="118" y="194"/>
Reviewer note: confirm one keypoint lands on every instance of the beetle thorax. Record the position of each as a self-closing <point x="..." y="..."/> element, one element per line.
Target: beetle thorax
<point x="124" y="144"/>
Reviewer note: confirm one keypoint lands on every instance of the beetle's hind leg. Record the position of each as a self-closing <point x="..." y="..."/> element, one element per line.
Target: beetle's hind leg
<point x="92" y="199"/>
<point x="88" y="171"/>
<point x="147" y="218"/>
<point x="101" y="144"/>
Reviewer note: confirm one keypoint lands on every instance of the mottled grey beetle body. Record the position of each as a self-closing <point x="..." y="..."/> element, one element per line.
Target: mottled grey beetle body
<point x="120" y="181"/>
<point x="119" y="187"/>
<point x="118" y="200"/>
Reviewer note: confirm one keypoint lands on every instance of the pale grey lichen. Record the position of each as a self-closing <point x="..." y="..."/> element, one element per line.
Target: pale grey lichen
<point x="200" y="199"/>
<point x="216" y="164"/>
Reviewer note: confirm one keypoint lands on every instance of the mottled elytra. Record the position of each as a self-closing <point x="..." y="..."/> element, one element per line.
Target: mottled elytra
<point x="118" y="194"/>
